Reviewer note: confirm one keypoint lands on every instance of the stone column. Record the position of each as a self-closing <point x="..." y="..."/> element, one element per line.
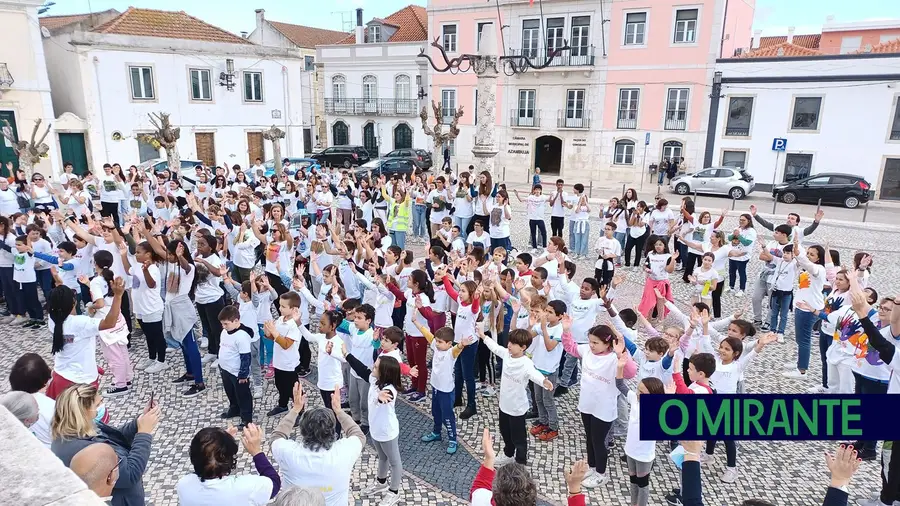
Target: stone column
<point x="485" y="148"/>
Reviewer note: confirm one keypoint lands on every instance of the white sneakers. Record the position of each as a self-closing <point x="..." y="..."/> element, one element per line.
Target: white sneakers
<point x="789" y="365"/>
<point x="502" y="460"/>
<point x="739" y="293"/>
<point x="143" y="364"/>
<point x="257" y="392"/>
<point x="375" y="488"/>
<point x="779" y="338"/>
<point x="595" y="479"/>
<point x="156" y="367"/>
<point x="818" y="389"/>
<point x="204" y="342"/>
<point x="488" y="391"/>
<point x="794" y="374"/>
<point x="207" y="358"/>
<point x="730" y="475"/>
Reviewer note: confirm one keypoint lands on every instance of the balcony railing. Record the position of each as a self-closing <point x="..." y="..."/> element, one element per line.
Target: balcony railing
<point x="525" y="118"/>
<point x="626" y="123"/>
<point x="676" y="124"/>
<point x="737" y="131"/>
<point x="371" y="107"/>
<point x="580" y="56"/>
<point x="895" y="135"/>
<point x="572" y="119"/>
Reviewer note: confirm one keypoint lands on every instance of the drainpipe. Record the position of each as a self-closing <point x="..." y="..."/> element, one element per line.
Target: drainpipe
<point x="602" y="30"/>
<point x="287" y="110"/>
<point x="100" y="102"/>
<point x="714" y="97"/>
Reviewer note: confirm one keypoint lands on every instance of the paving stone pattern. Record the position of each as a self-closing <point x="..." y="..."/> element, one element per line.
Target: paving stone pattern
<point x="787" y="473"/>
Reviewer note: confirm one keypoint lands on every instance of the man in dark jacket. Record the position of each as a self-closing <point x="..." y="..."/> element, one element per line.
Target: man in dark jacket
<point x="446" y="166"/>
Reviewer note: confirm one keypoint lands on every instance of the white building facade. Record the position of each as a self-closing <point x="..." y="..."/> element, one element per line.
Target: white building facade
<point x="222" y="95"/>
<point x="838" y="113"/>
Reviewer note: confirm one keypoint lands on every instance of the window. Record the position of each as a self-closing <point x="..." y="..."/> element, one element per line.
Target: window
<point x="686" y="25"/>
<point x="890" y="181"/>
<point x="253" y="91"/>
<point x="201" y="88"/>
<point x="672" y="150"/>
<point x="449" y="38"/>
<point x="796" y="166"/>
<point x="531" y="37"/>
<point x="146" y="151"/>
<point x="635" y="28"/>
<point x="624" y="154"/>
<point x="850" y="44"/>
<point x="309" y="63"/>
<point x="340" y="134"/>
<point x="842" y="180"/>
<point x="575" y="109"/>
<point x="451" y="145"/>
<point x="628" y="108"/>
<point x="819" y="181"/>
<point x="555" y="28"/>
<point x="448" y="105"/>
<point x="525" y="115"/>
<point x="403" y="138"/>
<point x="402" y="93"/>
<point x="370" y="93"/>
<point x="480" y="30"/>
<point x="736" y="159"/>
<point x="375" y="33"/>
<point x="806" y="113"/>
<point x="141" y="83"/>
<point x="370" y="139"/>
<point x="676" y="109"/>
<point x="740" y="110"/>
<point x="581" y="32"/>
<point x="895" y="124"/>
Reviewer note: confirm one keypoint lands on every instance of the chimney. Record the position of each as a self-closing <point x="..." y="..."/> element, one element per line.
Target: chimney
<point x="757" y="34"/>
<point x="360" y="30"/>
<point x="244" y="35"/>
<point x="790" y="37"/>
<point x="260" y="19"/>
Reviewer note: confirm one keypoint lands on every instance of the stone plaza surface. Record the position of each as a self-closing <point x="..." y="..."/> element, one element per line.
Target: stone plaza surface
<point x="784" y="472"/>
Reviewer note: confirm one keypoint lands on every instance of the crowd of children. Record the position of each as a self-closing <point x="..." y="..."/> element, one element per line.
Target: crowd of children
<point x="260" y="272"/>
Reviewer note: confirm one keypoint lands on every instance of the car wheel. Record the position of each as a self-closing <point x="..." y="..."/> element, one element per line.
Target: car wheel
<point x="737" y="193"/>
<point x="346" y="163"/>
<point x="851" y="202"/>
<point x="682" y="189"/>
<point x="789" y="197"/>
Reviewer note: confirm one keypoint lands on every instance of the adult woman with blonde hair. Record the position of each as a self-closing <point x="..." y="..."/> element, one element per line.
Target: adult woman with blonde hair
<point x="399" y="214"/>
<point x="75" y="427"/>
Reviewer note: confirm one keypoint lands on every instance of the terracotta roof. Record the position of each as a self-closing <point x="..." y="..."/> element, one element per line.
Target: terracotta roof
<point x="783" y="49"/>
<point x="308" y="36"/>
<point x="168" y="25"/>
<point x="808" y="41"/>
<point x="54" y="22"/>
<point x="891" y="46"/>
<point x="411" y="22"/>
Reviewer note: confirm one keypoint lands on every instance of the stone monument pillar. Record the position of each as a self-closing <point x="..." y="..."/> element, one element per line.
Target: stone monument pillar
<point x="485" y="68"/>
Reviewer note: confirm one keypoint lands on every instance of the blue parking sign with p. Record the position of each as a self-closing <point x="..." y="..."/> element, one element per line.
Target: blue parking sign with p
<point x="779" y="144"/>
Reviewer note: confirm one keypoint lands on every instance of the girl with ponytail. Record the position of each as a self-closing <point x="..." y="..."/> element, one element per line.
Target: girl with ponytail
<point x="179" y="314"/>
<point x="113" y="342"/>
<point x="75" y="337"/>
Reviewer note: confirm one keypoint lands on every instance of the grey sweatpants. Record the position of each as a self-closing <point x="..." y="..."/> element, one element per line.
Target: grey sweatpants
<point x="546" y="404"/>
<point x="760" y="294"/>
<point x="640" y="488"/>
<point x="389" y="454"/>
<point x="620" y="424"/>
<point x="255" y="370"/>
<point x="359" y="400"/>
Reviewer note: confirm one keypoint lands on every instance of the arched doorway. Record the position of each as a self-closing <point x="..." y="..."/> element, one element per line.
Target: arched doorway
<point x="370" y="141"/>
<point x="548" y="154"/>
<point x="672" y="150"/>
<point x="403" y="136"/>
<point x="340" y="134"/>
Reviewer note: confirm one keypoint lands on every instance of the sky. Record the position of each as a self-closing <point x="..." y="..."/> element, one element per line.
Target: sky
<point x="772" y="16"/>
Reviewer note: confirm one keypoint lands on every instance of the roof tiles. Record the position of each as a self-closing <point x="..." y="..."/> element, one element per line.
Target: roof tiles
<point x="308" y="36"/>
<point x="891" y="46"/>
<point x="810" y="41"/>
<point x="411" y="22"/>
<point x="781" y="50"/>
<point x="168" y="25"/>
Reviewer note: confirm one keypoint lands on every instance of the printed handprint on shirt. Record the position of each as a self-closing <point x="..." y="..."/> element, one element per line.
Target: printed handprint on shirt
<point x="803" y="280"/>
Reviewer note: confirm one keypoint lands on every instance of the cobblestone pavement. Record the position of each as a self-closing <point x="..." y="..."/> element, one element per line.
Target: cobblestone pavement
<point x="787" y="473"/>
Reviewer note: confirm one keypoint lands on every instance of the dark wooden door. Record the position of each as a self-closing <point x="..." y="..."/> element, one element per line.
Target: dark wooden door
<point x="72" y="149"/>
<point x="256" y="146"/>
<point x="206" y="148"/>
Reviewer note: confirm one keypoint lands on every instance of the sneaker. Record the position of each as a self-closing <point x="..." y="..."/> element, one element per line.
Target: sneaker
<point x="390" y="499"/>
<point x="207" y="358"/>
<point x="204" y="342"/>
<point x="560" y="391"/>
<point x="739" y="293"/>
<point x="194" y="391"/>
<point x="158" y="367"/>
<point x="417" y="397"/>
<point x="183" y="379"/>
<point x="548" y="435"/>
<point x="169" y="349"/>
<point x="789" y="365"/>
<point x="115" y="391"/>
<point x="730" y="475"/>
<point x="277" y="410"/>
<point x="705" y="457"/>
<point x="818" y="389"/>
<point x="375" y="488"/>
<point x="765" y="327"/>
<point x="537" y="429"/>
<point x="257" y="392"/>
<point x="489" y="391"/>
<point x="34" y="324"/>
<point x="411" y="390"/>
<point x="867" y="454"/>
<point x="270" y="372"/>
<point x="19" y="320"/>
<point x="468" y="413"/>
<point x="779" y="338"/>
<point x="302" y="373"/>
<point x="143" y="364"/>
<point x="795" y="374"/>
<point x="7" y="319"/>
<point x="364" y="428"/>
<point x="531" y="414"/>
<point x="451" y="447"/>
<point x="727" y="289"/>
<point x="594" y="480"/>
<point x="874" y="501"/>
<point x="590" y="472"/>
<point x="229" y="414"/>
<point x="502" y="460"/>
<point x="673" y="500"/>
<point x="431" y="437"/>
<point x="215" y="363"/>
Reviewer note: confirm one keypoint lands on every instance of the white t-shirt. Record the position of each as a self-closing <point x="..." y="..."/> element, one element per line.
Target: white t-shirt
<point x="484" y="239"/>
<point x="598" y="384"/>
<point x="77" y="360"/>
<point x="110" y="189"/>
<point x="462" y="206"/>
<point x="327" y="471"/>
<point x="640" y="228"/>
<point x="659" y="221"/>
<point x="147" y="301"/>
<point x="536" y="206"/>
<point x="41" y="428"/>
<point x="785" y="275"/>
<point x="658" y="263"/>
<point x="287" y="359"/>
<point x="232" y="345"/>
<point x="250" y="490"/>
<point x="442" y="363"/>
<point x="210" y="290"/>
<point x="383" y="424"/>
<point x="436" y="197"/>
<point x="76" y="207"/>
<point x="810" y="283"/>
<point x="501" y="229"/>
<point x="702" y="278"/>
<point x="642" y="451"/>
<point x="557" y="209"/>
<point x="584" y="316"/>
<point x="9" y="205"/>
<point x="23" y="267"/>
<point x="547" y="361"/>
<point x="607" y="246"/>
<point x="517" y="372"/>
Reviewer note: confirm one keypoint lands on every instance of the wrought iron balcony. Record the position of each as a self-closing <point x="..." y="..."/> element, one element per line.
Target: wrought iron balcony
<point x="525" y="118"/>
<point x="6" y="79"/>
<point x="737" y="131"/>
<point x="675" y="124"/>
<point x="371" y="107"/>
<point x="577" y="56"/>
<point x="572" y="119"/>
<point x="626" y="123"/>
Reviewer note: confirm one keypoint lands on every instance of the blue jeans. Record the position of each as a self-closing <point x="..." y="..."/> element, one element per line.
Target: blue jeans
<point x="462" y="223"/>
<point x="803" y="326"/>
<point x="620" y="236"/>
<point x="738" y="267"/>
<point x="191" y="353"/>
<point x="779" y="307"/>
<point x="420" y="228"/>
<point x="442" y="412"/>
<point x="578" y="241"/>
<point x="45" y="281"/>
<point x="662" y="175"/>
<point x="464" y="370"/>
<point x="398" y="239"/>
<point x="502" y="242"/>
<point x="568" y="370"/>
<point x="266" y="349"/>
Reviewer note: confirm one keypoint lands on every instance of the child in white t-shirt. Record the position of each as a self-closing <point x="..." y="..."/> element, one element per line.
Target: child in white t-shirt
<point x="25" y="277"/>
<point x="286" y="357"/>
<point x="704" y="280"/>
<point x="113" y="342"/>
<point x="235" y="362"/>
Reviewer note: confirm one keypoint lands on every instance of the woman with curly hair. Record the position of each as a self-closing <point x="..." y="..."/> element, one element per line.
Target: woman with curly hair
<point x="214" y="457"/>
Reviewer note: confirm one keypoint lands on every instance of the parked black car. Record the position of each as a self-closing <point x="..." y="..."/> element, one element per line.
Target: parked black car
<point x="420" y="157"/>
<point x="342" y="156"/>
<point x="387" y="166"/>
<point x="833" y="188"/>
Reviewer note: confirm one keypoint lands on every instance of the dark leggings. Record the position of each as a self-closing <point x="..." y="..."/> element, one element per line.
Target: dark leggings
<point x="637" y="245"/>
<point x="595" y="431"/>
<point x="556" y="225"/>
<point x="156" y="342"/>
<point x="28" y="294"/>
<point x="538" y="226"/>
<point x="110" y="209"/>
<point x="276" y="283"/>
<point x="730" y="451"/>
<point x="209" y="318"/>
<point x="305" y="355"/>
<point x="284" y="383"/>
<point x="890" y="488"/>
<point x="717" y="299"/>
<point x="692" y="261"/>
<point x="485" y="364"/>
<point x="825" y="340"/>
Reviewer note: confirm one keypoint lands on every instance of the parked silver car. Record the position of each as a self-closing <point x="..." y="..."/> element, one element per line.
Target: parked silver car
<point x="731" y="181"/>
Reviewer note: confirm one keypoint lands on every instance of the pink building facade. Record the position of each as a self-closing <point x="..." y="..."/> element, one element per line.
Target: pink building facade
<point x="644" y="74"/>
<point x="844" y="38"/>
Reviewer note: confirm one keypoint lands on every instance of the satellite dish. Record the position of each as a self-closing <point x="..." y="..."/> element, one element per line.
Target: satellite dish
<point x="45" y="32"/>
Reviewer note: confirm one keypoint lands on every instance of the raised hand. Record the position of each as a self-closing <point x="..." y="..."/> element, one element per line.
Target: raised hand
<point x="752" y="209"/>
<point x="384" y="396"/>
<point x="843" y="464"/>
<point x="414" y="371"/>
<point x="299" y="397"/>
